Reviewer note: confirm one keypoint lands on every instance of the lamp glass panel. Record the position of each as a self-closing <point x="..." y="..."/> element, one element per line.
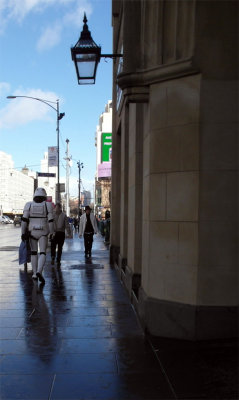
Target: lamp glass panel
<point x="86" y="68"/>
<point x="86" y="81"/>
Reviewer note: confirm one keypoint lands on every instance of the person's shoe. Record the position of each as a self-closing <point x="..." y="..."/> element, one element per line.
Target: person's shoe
<point x="52" y="261"/>
<point x="40" y="277"/>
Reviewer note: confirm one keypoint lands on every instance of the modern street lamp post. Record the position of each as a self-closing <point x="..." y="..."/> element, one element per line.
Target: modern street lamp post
<point x="59" y="117"/>
<point x="80" y="166"/>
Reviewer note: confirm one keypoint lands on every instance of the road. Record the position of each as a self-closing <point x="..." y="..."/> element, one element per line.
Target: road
<point x="10" y="235"/>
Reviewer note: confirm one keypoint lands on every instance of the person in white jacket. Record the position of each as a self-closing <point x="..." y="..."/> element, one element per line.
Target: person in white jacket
<point x="88" y="228"/>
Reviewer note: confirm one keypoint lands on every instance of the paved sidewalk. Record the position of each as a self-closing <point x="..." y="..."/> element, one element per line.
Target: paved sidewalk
<point x="78" y="337"/>
<point x="75" y="338"/>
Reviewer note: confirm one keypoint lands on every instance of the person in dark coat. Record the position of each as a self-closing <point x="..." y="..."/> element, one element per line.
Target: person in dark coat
<point x="88" y="228"/>
<point x="61" y="225"/>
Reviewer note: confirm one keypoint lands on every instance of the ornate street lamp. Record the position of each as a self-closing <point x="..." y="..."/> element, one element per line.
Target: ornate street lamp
<point x="86" y="56"/>
<point x="58" y="118"/>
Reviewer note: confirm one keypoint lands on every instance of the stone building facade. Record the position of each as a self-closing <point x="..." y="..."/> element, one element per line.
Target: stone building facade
<point x="174" y="164"/>
<point x="16" y="187"/>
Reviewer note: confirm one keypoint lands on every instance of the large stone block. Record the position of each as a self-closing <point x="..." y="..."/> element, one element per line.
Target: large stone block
<point x="132" y="170"/>
<point x="183" y="103"/>
<point x="219" y="101"/>
<point x="188" y="243"/>
<point x="184" y="321"/>
<point x="218" y="243"/>
<point x="163" y="243"/>
<point x="132" y="129"/>
<point x="175" y="102"/>
<point x="164" y="149"/>
<point x="146" y="156"/>
<point x="157" y="197"/>
<point x="217" y="285"/>
<point x="182" y="196"/>
<point x="146" y="199"/>
<point x="219" y="146"/>
<point x="174" y="148"/>
<point x="158" y="106"/>
<point x="145" y="255"/>
<point x="131" y="227"/>
<point x="173" y="282"/>
<point x="218" y="195"/>
<point x="189" y="148"/>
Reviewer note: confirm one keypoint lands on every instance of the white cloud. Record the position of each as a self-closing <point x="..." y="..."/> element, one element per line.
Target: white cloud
<point x="4" y="88"/>
<point x="50" y="37"/>
<point x="21" y="111"/>
<point x="17" y="10"/>
<point x="72" y="14"/>
<point x="75" y="17"/>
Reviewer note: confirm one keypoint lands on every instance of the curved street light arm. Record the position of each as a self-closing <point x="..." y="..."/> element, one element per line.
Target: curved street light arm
<point x="59" y="117"/>
<point x="36" y="98"/>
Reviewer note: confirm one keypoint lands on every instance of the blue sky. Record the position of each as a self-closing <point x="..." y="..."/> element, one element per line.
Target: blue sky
<point x="35" y="60"/>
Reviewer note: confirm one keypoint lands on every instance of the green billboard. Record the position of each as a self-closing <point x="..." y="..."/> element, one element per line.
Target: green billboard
<point x="106" y="141"/>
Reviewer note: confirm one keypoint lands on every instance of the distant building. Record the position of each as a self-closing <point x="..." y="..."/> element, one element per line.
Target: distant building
<point x="85" y="198"/>
<point x="103" y="143"/>
<point x="17" y="187"/>
<point x="49" y="184"/>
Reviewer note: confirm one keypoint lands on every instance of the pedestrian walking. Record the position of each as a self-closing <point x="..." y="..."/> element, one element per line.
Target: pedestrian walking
<point x="107" y="227"/>
<point x="76" y="224"/>
<point x="37" y="223"/>
<point x="88" y="228"/>
<point x="61" y="225"/>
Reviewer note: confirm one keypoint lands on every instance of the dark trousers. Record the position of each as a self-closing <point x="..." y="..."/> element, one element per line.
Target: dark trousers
<point x="58" y="241"/>
<point x="88" y="239"/>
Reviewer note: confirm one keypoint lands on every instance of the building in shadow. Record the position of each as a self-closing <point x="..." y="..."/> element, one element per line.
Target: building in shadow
<point x="174" y="164"/>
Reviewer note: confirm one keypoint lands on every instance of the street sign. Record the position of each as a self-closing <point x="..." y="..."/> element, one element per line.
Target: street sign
<point x="52" y="156"/>
<point x="62" y="187"/>
<point x="106" y="149"/>
<point x="46" y="174"/>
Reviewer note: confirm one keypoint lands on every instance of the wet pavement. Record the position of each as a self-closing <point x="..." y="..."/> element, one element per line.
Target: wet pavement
<point x="78" y="337"/>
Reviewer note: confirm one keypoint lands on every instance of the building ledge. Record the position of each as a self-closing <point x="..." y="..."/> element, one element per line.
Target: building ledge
<point x="146" y="77"/>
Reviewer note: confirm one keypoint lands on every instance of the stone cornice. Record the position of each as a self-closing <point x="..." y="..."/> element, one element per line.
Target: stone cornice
<point x="136" y="94"/>
<point x="160" y="73"/>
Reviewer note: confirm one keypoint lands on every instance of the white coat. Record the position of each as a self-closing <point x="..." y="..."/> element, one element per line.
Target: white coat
<point x="83" y="220"/>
